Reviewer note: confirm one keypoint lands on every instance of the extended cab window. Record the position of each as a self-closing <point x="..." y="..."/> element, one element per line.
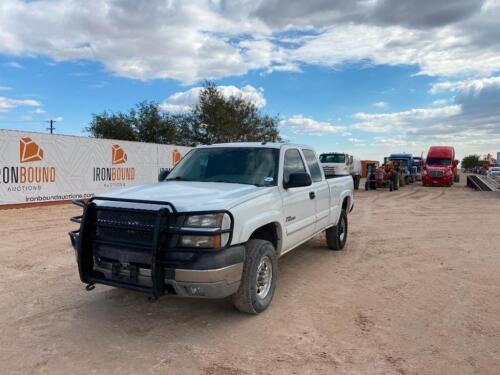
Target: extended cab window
<point x="313" y="165"/>
<point x="293" y="164"/>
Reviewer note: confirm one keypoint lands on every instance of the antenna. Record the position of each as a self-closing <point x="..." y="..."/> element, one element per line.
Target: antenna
<point x="51" y="122"/>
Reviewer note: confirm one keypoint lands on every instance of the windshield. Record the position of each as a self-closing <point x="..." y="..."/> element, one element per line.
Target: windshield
<point x="438" y="161"/>
<point x="251" y="166"/>
<point x="332" y="158"/>
<point x="401" y="162"/>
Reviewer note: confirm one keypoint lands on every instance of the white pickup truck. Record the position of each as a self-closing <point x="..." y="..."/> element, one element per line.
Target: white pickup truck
<point x="215" y="226"/>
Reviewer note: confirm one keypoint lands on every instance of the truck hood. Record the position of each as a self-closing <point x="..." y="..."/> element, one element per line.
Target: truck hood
<point x="192" y="196"/>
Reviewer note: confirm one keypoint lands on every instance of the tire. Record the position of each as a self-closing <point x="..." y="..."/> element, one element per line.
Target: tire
<point x="247" y="298"/>
<point x="366" y="185"/>
<point x="457" y="178"/>
<point x="336" y="236"/>
<point x="356" y="182"/>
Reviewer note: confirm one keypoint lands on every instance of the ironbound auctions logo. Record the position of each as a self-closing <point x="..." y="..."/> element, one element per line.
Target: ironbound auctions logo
<point x="29" y="152"/>
<point x="118" y="156"/>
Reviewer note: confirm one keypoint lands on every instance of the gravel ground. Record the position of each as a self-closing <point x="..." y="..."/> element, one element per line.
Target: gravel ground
<point x="416" y="291"/>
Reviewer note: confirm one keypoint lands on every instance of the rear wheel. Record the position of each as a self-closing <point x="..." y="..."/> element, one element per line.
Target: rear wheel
<point x="356" y="182"/>
<point x="258" y="282"/>
<point x="336" y="237"/>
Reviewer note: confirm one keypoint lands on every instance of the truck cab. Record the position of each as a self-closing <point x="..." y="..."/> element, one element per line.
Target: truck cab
<point x="440" y="167"/>
<point x="337" y="164"/>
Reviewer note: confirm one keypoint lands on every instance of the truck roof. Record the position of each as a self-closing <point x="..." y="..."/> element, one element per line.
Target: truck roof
<point x="254" y="144"/>
<point x="441" y="151"/>
<point x="400" y="155"/>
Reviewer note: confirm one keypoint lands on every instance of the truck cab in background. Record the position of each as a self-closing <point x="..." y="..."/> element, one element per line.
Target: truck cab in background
<point x="440" y="167"/>
<point x="336" y="164"/>
<point x="406" y="164"/>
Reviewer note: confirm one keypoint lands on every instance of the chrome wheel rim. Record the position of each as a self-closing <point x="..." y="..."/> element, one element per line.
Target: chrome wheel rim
<point x="342" y="230"/>
<point x="264" y="277"/>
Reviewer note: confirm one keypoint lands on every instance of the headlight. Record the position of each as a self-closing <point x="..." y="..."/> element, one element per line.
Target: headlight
<point x="208" y="223"/>
<point x="204" y="221"/>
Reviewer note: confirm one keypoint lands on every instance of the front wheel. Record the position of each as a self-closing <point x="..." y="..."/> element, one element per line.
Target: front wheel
<point x="336" y="237"/>
<point x="258" y="282"/>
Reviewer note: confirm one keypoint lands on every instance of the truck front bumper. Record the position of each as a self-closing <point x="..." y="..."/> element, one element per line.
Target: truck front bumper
<point x="437" y="181"/>
<point x="212" y="275"/>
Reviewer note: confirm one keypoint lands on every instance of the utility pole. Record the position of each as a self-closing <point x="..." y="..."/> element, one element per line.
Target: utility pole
<point x="51" y="122"/>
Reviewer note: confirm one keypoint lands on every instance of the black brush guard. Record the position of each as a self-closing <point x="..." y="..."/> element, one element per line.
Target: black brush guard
<point x="139" y="237"/>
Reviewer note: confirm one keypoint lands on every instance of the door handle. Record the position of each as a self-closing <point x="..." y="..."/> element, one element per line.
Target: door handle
<point x="312" y="195"/>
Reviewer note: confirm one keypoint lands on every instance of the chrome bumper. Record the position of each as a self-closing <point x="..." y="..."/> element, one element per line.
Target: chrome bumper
<point x="211" y="283"/>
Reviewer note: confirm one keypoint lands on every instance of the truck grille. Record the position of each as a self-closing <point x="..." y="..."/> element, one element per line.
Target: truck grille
<point x="137" y="227"/>
<point x="435" y="173"/>
<point x="329" y="171"/>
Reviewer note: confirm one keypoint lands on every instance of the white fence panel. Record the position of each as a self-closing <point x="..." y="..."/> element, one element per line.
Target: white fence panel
<point x="37" y="167"/>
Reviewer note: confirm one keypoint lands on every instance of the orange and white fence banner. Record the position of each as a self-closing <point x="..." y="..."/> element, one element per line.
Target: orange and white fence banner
<point x="37" y="167"/>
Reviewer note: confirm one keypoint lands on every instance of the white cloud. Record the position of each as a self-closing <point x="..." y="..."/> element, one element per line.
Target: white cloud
<point x="472" y="84"/>
<point x="184" y="101"/>
<point x="398" y="118"/>
<point x="440" y="103"/>
<point x="13" y="64"/>
<point x="382" y="105"/>
<point x="206" y="39"/>
<point x="38" y="111"/>
<point x="7" y="104"/>
<point x="355" y="140"/>
<point x="5" y="88"/>
<point x="302" y="125"/>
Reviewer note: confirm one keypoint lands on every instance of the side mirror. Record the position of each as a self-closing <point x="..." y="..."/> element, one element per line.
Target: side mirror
<point x="163" y="175"/>
<point x="298" y="180"/>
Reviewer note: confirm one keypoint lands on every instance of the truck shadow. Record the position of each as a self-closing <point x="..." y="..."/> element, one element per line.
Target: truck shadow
<point x="118" y="312"/>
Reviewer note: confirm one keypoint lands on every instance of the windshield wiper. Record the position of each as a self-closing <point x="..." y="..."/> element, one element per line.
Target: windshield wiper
<point x="178" y="178"/>
<point x="234" y="182"/>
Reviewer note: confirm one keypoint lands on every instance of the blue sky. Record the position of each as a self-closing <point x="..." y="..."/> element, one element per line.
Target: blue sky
<point x="367" y="77"/>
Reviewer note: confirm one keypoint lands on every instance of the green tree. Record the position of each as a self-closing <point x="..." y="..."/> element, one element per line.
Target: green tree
<point x="471" y="161"/>
<point x="112" y="126"/>
<point x="214" y="119"/>
<point x="152" y="125"/>
<point x="218" y="119"/>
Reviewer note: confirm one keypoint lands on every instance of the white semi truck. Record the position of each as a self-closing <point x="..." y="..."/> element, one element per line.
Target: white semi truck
<point x="214" y="226"/>
<point x="337" y="164"/>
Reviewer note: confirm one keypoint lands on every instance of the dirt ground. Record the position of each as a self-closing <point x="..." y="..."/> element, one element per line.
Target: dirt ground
<point x="416" y="291"/>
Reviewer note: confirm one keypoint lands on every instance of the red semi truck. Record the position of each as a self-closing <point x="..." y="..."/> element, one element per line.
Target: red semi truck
<point x="440" y="167"/>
